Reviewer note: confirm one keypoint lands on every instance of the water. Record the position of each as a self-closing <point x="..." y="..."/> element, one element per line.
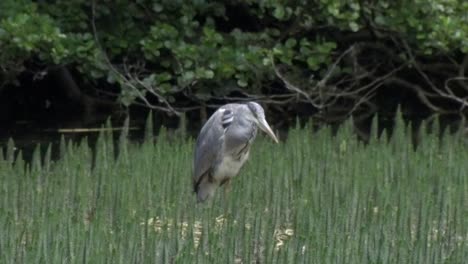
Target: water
<point x="44" y="131"/>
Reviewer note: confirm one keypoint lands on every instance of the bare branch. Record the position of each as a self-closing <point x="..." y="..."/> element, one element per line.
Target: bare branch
<point x="422" y="95"/>
<point x="328" y="96"/>
<point x="292" y="87"/>
<point x="332" y="68"/>
<point x="461" y="73"/>
<point x="128" y="80"/>
<point x="448" y="94"/>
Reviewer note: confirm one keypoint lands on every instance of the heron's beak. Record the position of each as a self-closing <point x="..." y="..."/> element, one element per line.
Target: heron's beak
<point x="263" y="124"/>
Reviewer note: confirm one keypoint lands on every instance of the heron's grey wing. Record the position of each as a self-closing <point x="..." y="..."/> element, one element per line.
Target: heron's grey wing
<point x="210" y="142"/>
<point x="239" y="135"/>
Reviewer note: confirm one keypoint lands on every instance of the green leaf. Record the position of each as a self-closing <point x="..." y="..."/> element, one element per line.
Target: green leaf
<point x="291" y="43"/>
<point x="157" y="7"/>
<point x="279" y="12"/>
<point x="313" y="63"/>
<point x="188" y="76"/>
<point x="163" y="77"/>
<point x="380" y="20"/>
<point x="111" y="78"/>
<point x="209" y="74"/>
<point x="188" y="63"/>
<point x="353" y="26"/>
<point x="242" y="83"/>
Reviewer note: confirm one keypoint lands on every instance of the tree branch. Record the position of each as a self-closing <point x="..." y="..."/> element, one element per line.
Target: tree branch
<point x="128" y="80"/>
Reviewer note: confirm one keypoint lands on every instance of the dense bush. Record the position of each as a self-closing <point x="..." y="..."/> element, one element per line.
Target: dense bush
<point x="333" y="55"/>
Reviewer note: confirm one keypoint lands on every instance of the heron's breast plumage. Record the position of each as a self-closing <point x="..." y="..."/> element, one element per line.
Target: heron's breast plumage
<point x="230" y="166"/>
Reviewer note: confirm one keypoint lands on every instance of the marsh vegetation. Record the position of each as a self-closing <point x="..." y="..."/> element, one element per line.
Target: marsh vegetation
<point x="315" y="198"/>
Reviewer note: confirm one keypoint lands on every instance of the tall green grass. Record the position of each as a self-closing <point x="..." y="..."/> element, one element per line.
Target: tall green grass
<point x="315" y="198"/>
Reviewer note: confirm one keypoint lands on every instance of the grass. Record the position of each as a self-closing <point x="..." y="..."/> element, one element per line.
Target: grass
<point x="315" y="198"/>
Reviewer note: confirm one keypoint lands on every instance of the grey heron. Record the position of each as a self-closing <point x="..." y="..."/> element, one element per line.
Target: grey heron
<point x="223" y="145"/>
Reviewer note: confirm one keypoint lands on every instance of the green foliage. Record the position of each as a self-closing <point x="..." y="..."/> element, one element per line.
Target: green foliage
<point x="433" y="25"/>
<point x="316" y="198"/>
<point x="196" y="44"/>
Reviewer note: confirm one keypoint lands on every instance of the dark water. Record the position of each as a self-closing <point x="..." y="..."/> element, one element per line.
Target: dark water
<point x="29" y="134"/>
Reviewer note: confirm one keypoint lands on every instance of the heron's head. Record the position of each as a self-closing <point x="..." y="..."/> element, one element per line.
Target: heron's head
<point x="259" y="118"/>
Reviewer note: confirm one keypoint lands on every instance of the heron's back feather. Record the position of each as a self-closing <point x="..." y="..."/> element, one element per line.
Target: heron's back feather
<point x="223" y="145"/>
<point x="210" y="140"/>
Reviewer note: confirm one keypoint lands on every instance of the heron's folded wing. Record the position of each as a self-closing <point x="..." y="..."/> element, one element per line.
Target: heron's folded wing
<point x="209" y="142"/>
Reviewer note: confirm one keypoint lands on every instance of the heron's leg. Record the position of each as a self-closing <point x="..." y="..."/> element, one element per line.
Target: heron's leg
<point x="205" y="190"/>
<point x="227" y="185"/>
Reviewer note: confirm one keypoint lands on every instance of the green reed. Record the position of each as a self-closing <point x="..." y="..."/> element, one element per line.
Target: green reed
<point x="316" y="198"/>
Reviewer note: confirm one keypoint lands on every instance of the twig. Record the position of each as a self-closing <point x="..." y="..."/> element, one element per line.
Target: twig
<point x="292" y="87"/>
<point x="422" y="95"/>
<point x="448" y="94"/>
<point x="126" y="80"/>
